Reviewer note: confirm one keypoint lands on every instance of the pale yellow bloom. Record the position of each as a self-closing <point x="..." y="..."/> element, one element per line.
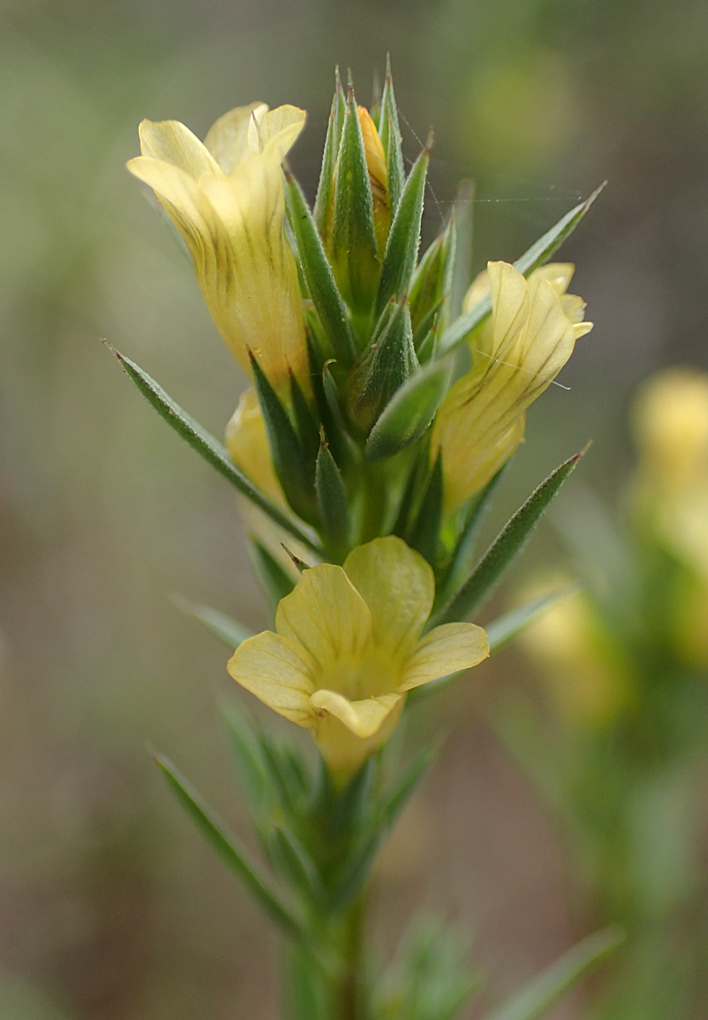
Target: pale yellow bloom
<point x="585" y="681"/>
<point x="348" y="647"/>
<point x="516" y="355"/>
<point x="226" y="198"/>
<point x="670" y="493"/>
<point x="671" y="428"/>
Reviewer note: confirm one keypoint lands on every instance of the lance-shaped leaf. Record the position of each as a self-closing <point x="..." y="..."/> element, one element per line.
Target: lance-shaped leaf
<point x="232" y="853"/>
<point x="432" y="280"/>
<point x="247" y="753"/>
<point x="404" y="237"/>
<point x="410" y="411"/>
<point x="507" y="546"/>
<point x="507" y="627"/>
<point x="353" y="251"/>
<point x="324" y="198"/>
<point x="538" y="254"/>
<point x="386" y="364"/>
<point x="424" y="535"/>
<point x="542" y="993"/>
<point x="293" y="862"/>
<point x="208" y="447"/>
<point x="331" y="499"/>
<point x="276" y="581"/>
<point x="390" y="133"/>
<point x="318" y="274"/>
<point x="307" y="430"/>
<point x="294" y="473"/>
<point x="227" y="630"/>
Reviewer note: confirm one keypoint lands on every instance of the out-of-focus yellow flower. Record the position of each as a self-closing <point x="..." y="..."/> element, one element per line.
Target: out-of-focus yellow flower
<point x="584" y="679"/>
<point x="671" y="429"/>
<point x="348" y="647"/>
<point x="516" y="355"/>
<point x="247" y="443"/>
<point x="670" y="493"/>
<point x="378" y="177"/>
<point x="226" y="198"/>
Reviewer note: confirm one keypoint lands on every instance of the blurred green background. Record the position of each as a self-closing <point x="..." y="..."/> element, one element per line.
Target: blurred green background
<point x="110" y="908"/>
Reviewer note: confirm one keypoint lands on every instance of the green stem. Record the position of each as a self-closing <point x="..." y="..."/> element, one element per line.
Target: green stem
<point x="349" y="992"/>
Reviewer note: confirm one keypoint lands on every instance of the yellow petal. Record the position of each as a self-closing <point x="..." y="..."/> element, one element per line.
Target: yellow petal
<point x="173" y="143"/>
<point x="532" y="337"/>
<point x="275" y="133"/>
<point x="328" y="617"/>
<point x="558" y="274"/>
<point x="398" y="587"/>
<point x="247" y="443"/>
<point x="445" y="650"/>
<point x="346" y="732"/>
<point x="362" y="718"/>
<point x="234" y="227"/>
<point x="185" y="201"/>
<point x="278" y="672"/>
<point x="227" y="138"/>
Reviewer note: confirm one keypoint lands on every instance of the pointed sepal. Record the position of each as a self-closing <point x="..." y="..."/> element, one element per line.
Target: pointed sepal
<point x="352" y="248"/>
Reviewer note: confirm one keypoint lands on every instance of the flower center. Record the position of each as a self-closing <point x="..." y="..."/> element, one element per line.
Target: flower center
<point x="367" y="675"/>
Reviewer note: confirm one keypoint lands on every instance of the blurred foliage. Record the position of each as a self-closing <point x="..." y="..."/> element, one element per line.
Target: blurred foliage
<point x="109" y="904"/>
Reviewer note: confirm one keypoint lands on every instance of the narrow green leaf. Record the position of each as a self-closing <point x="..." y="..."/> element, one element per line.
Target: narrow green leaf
<point x="410" y="411"/>
<point x="285" y="447"/>
<point x="431" y="284"/>
<point x="330" y="307"/>
<point x="331" y="499"/>
<point x="228" y="631"/>
<point x="390" y="134"/>
<point x="462" y="213"/>
<point x="535" y="256"/>
<point x="275" y="579"/>
<point x="404" y="236"/>
<point x="538" y="997"/>
<point x="506" y="547"/>
<point x="323" y="199"/>
<point x="386" y="364"/>
<point x="505" y="628"/>
<point x="353" y="251"/>
<point x="212" y="451"/>
<point x="232" y="853"/>
<point x="246" y="750"/>
<point x="294" y="863"/>
<point x="307" y="430"/>
<point x="356" y="870"/>
<point x="424" y="535"/>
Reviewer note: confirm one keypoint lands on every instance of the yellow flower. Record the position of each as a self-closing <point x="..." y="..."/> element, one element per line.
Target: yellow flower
<point x="348" y="647"/>
<point x="516" y="355"/>
<point x="226" y="198"/>
<point x="583" y="672"/>
<point x="671" y="428"/>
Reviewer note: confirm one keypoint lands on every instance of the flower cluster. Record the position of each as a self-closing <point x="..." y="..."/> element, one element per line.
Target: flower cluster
<point x="379" y="415"/>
